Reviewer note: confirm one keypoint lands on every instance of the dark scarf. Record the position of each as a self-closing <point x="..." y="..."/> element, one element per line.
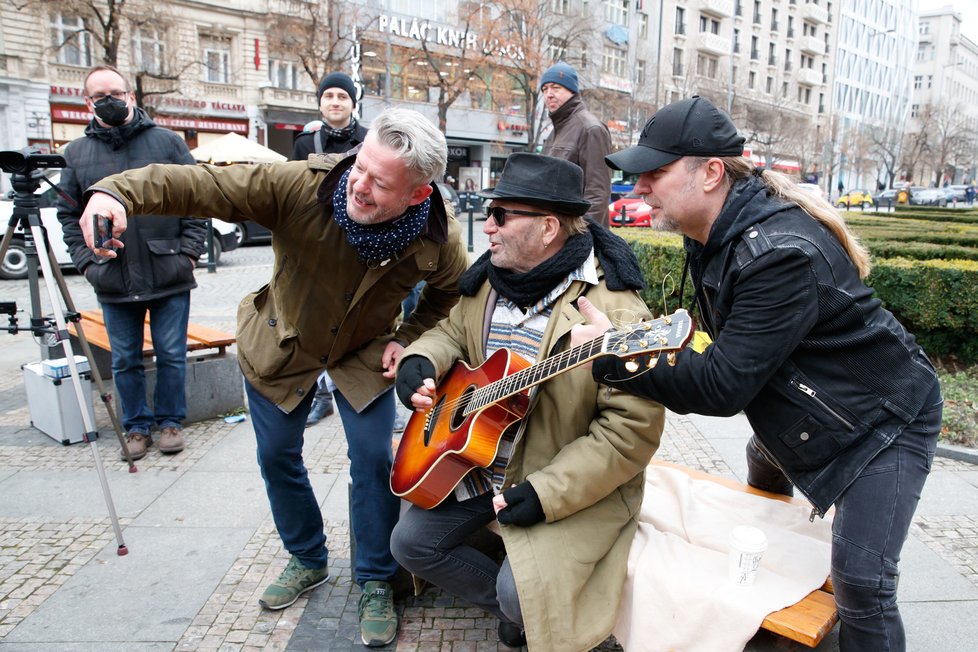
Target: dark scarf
<point x="119" y="137"/>
<point x="338" y="135"/>
<point x="621" y="270"/>
<point x="378" y="242"/>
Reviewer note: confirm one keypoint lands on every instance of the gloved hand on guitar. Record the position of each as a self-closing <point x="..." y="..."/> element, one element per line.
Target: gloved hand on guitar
<point x="410" y="376"/>
<point x="522" y="506"/>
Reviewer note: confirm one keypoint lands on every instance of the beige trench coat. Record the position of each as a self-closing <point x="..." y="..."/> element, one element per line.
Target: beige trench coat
<point x="322" y="308"/>
<point x="584" y="450"/>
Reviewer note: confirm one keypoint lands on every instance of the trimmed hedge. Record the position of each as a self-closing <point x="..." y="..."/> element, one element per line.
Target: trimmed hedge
<point x="937" y="300"/>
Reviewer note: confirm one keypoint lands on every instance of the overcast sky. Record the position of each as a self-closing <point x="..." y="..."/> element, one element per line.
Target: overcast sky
<point x="967" y="9"/>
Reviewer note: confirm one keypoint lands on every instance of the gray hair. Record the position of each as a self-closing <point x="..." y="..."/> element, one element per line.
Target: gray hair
<point x="414" y="140"/>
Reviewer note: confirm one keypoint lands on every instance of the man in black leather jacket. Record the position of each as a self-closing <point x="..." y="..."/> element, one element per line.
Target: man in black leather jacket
<point x="155" y="270"/>
<point x="844" y="404"/>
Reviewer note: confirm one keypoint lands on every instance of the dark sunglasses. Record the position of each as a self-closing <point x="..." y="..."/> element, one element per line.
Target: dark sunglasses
<point x="499" y="213"/>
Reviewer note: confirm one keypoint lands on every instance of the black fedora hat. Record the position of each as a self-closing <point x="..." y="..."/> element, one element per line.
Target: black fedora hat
<point x="543" y="181"/>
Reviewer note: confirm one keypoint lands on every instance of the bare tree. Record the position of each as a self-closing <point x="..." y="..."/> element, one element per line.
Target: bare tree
<point x="917" y="143"/>
<point x="886" y="148"/>
<point x="529" y="37"/>
<point x="105" y="21"/>
<point x="455" y="75"/>
<point x="316" y="33"/>
<point x="951" y="138"/>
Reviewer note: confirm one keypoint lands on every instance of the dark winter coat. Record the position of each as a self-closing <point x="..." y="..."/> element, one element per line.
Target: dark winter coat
<point x="160" y="253"/>
<point x="305" y="144"/>
<point x="581" y="138"/>
<point x="826" y="376"/>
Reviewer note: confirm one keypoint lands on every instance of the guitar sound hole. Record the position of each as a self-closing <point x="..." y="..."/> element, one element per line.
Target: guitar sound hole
<point x="462" y="404"/>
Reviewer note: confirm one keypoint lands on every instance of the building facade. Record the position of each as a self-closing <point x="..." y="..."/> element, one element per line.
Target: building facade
<point x="810" y="82"/>
<point x="944" y="111"/>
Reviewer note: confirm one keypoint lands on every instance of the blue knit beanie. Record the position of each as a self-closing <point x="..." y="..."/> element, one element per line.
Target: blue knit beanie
<point x="561" y="73"/>
<point x="337" y="80"/>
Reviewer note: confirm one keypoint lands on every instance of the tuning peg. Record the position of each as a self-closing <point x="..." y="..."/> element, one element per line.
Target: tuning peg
<point x="653" y="361"/>
<point x="631" y="366"/>
<point x="667" y="321"/>
<point x="671" y="358"/>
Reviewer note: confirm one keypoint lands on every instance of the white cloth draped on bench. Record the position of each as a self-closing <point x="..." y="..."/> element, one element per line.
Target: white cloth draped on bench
<point x="678" y="595"/>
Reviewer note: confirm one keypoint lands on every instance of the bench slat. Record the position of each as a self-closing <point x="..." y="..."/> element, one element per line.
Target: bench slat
<point x="198" y="337"/>
<point x="811" y="618"/>
<point x="807" y="621"/>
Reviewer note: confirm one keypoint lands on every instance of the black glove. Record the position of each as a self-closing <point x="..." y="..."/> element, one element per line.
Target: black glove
<point x="410" y="376"/>
<point x="522" y="506"/>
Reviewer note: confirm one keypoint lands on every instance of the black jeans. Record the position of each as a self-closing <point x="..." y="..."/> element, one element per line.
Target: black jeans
<point x="431" y="544"/>
<point x="871" y="522"/>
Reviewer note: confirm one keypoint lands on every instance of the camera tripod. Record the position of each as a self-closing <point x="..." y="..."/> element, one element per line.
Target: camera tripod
<point x="25" y="180"/>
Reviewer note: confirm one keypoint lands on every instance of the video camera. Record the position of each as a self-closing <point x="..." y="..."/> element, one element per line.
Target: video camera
<point x="27" y="160"/>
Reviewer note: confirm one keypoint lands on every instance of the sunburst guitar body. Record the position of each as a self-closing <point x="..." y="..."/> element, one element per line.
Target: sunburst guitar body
<point x="473" y="407"/>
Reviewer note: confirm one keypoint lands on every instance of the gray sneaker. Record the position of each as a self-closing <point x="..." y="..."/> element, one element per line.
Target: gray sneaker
<point x="378" y="620"/>
<point x="295" y="580"/>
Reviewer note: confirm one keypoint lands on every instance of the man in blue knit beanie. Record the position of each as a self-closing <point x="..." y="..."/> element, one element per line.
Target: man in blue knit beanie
<point x="578" y="136"/>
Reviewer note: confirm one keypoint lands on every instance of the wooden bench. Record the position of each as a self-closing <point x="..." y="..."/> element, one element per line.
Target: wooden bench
<point x="806" y="621"/>
<point x="199" y="338"/>
<point x="213" y="385"/>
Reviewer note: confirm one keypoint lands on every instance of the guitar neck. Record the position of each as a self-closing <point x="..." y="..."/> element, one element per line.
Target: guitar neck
<point x="669" y="333"/>
<point x="536" y="373"/>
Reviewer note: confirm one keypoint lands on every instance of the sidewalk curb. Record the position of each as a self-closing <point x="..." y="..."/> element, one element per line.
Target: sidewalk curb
<point x="960" y="453"/>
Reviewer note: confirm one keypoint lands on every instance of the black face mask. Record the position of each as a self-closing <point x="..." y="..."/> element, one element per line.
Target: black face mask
<point x="111" y="111"/>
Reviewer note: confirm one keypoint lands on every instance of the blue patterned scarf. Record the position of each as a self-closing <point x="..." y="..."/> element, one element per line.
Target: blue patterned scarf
<point x="378" y="242"/>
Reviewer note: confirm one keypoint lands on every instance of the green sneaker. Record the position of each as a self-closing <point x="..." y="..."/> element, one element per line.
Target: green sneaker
<point x="378" y="620"/>
<point x="295" y="580"/>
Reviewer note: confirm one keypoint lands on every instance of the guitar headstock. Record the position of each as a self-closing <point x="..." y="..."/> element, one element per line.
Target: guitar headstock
<point x="665" y="334"/>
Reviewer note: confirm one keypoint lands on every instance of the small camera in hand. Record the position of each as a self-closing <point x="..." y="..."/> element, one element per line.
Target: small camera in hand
<point x="102" y="228"/>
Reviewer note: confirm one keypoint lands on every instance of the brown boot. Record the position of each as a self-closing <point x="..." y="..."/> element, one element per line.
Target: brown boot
<point x="137" y="443"/>
<point x="171" y="441"/>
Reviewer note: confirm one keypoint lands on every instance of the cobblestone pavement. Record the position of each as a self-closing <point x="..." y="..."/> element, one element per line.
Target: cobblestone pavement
<point x="38" y="554"/>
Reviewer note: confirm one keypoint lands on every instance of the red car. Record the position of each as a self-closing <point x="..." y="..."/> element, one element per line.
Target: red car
<point x="630" y="210"/>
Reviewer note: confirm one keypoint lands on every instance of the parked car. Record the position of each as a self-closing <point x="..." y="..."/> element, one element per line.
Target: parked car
<point x="14" y="264"/>
<point x="248" y="233"/>
<point x="449" y="193"/>
<point x="855" y="198"/>
<point x="959" y="192"/>
<point x="630" y="210"/>
<point x="929" y="197"/>
<point x="886" y="197"/>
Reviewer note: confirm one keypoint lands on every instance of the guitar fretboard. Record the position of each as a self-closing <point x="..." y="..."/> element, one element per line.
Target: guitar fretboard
<point x="534" y="375"/>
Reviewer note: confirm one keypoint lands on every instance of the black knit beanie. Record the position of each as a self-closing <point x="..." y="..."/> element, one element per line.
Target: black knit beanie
<point x="337" y="80"/>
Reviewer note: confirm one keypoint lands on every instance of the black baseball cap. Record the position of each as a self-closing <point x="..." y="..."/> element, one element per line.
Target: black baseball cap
<point x="690" y="127"/>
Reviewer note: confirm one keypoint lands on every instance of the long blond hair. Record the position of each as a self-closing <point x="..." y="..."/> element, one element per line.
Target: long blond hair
<point x="783" y="187"/>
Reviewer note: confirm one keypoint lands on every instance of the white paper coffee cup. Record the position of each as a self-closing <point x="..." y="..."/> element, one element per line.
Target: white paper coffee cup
<point x="747" y="545"/>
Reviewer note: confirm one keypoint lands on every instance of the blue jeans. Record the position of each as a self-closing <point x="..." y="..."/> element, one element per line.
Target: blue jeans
<point x="871" y="523"/>
<point x="296" y="512"/>
<point x="168" y="319"/>
<point x="432" y="545"/>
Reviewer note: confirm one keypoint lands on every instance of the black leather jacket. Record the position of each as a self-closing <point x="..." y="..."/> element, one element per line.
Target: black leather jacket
<point x="160" y="253"/>
<point x="826" y="376"/>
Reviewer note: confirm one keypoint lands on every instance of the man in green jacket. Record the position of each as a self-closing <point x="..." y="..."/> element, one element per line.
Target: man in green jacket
<point x="351" y="237"/>
<point x="567" y="480"/>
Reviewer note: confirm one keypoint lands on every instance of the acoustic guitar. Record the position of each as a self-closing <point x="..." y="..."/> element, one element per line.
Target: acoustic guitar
<point x="472" y="407"/>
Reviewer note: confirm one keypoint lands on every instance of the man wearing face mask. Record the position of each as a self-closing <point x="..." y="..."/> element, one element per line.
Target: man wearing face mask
<point x="153" y="273"/>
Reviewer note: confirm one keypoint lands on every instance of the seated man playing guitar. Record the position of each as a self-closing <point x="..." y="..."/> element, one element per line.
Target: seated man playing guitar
<point x="566" y="456"/>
